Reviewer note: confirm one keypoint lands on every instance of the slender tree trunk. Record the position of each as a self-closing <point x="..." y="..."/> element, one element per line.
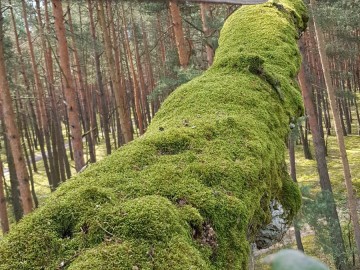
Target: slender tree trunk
<point x="161" y="45"/>
<point x="305" y="143"/>
<point x="3" y="210"/>
<point x="119" y="91"/>
<point x="13" y="133"/>
<point x="293" y="176"/>
<point x="149" y="72"/>
<point x="84" y="102"/>
<point x="137" y="95"/>
<point x="357" y="114"/>
<point x="56" y="130"/>
<point x="204" y="10"/>
<point x="44" y="134"/>
<point x="105" y="111"/>
<point x="332" y="217"/>
<point x="338" y="131"/>
<point x="70" y="95"/>
<point x="179" y="33"/>
<point x="140" y="73"/>
<point x="14" y="183"/>
<point x="21" y="120"/>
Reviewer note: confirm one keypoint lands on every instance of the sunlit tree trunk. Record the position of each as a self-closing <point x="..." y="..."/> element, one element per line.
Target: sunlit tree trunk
<point x="70" y="95"/>
<point x="179" y="33"/>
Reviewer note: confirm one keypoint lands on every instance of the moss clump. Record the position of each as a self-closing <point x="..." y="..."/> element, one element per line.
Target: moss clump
<point x="194" y="190"/>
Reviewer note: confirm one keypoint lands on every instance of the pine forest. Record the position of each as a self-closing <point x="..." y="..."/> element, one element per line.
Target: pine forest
<point x="180" y="134"/>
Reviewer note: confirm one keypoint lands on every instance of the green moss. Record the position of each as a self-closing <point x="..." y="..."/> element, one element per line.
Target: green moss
<point x="193" y="190"/>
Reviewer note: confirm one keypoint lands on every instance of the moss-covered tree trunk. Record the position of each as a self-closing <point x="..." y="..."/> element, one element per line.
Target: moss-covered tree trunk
<point x="195" y="189"/>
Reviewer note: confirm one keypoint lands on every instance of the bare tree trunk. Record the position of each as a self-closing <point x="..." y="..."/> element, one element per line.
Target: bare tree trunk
<point x="137" y="96"/>
<point x="70" y="95"/>
<point x="338" y="131"/>
<point x="14" y="183"/>
<point x="105" y="111"/>
<point x="119" y="91"/>
<point x="179" y="33"/>
<point x="204" y="10"/>
<point x="44" y="133"/>
<point x="84" y="102"/>
<point x="140" y="73"/>
<point x="13" y="133"/>
<point x="59" y="150"/>
<point x="3" y="210"/>
<point x="149" y="72"/>
<point x="320" y="155"/>
<point x="293" y="176"/>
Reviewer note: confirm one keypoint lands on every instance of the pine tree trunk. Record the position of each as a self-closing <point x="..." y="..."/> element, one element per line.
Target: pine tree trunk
<point x="13" y="133"/>
<point x="137" y="95"/>
<point x="3" y="210"/>
<point x="293" y="176"/>
<point x="320" y="155"/>
<point x="70" y="95"/>
<point x="339" y="133"/>
<point x="44" y="133"/>
<point x="149" y="72"/>
<point x="57" y="136"/>
<point x="140" y="74"/>
<point x="204" y="10"/>
<point x="104" y="107"/>
<point x="179" y="33"/>
<point x="82" y="91"/>
<point x="119" y="91"/>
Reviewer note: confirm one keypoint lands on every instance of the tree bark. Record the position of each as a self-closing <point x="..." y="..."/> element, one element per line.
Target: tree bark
<point x="179" y="33"/>
<point x="105" y="111"/>
<point x="137" y="95"/>
<point x="338" y="130"/>
<point x="119" y="91"/>
<point x="325" y="184"/>
<point x="59" y="150"/>
<point x="291" y="146"/>
<point x="13" y="133"/>
<point x="204" y="10"/>
<point x="84" y="102"/>
<point x="70" y="95"/>
<point x="3" y="210"/>
<point x="39" y="101"/>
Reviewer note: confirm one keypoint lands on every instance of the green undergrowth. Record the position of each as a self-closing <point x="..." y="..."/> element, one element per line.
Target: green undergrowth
<point x="194" y="190"/>
<point x="311" y="249"/>
<point x="307" y="172"/>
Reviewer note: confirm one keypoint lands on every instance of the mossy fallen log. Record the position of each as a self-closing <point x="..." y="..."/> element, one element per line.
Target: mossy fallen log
<point x="196" y="188"/>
